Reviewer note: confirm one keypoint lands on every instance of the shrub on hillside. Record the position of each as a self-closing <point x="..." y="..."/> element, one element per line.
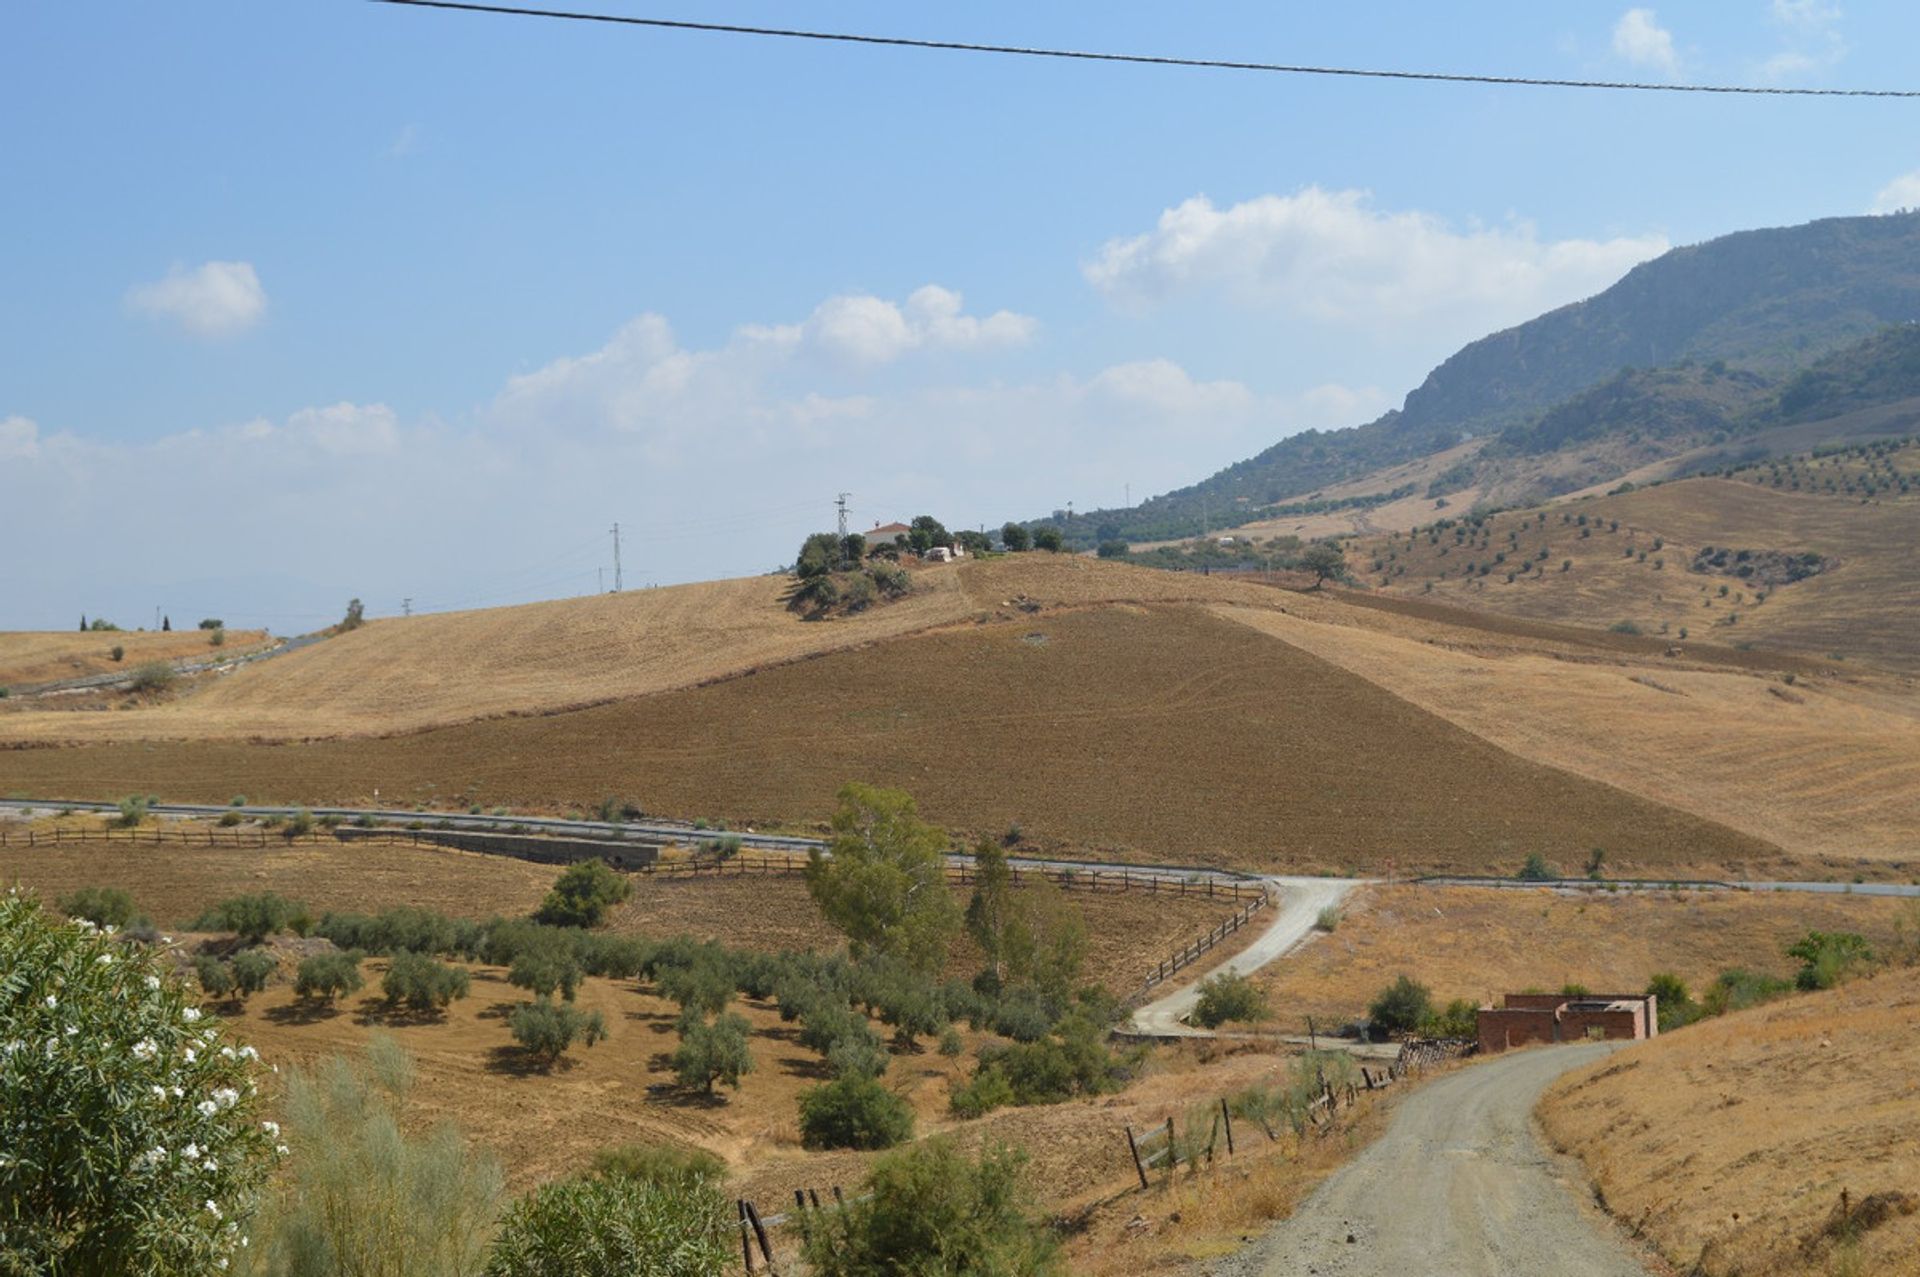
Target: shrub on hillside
<point x="152" y="676"/>
<point x="930" y="1209"/>
<point x="117" y="653"/>
<point x="300" y="823"/>
<point x="327" y="976"/>
<point x="1674" y="1005"/>
<point x="253" y="918"/>
<point x="712" y="1051"/>
<point x="367" y="1191"/>
<point x="1226" y="997"/>
<point x="102" y="906"/>
<point x="108" y="1075"/>
<point x="1536" y="869"/>
<point x="853" y="1112"/>
<point x="1737" y="988"/>
<point x="615" y="1227"/>
<point x="668" y="1164"/>
<point x="546" y="1029"/>
<point x="1328" y="919"/>
<point x="215" y="976"/>
<point x="421" y="983"/>
<point x="133" y="811"/>
<point x="1828" y="957"/>
<point x="544" y="972"/>
<point x="582" y="895"/>
<point x="1460" y="1019"/>
<point x="1403" y="1006"/>
<point x="252" y="968"/>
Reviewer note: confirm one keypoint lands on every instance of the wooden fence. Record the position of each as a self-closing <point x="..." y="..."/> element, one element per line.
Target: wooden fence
<point x="756" y="1230"/>
<point x="1190" y="953"/>
<point x="158" y="837"/>
<point x="787" y="864"/>
<point x="1158" y="1147"/>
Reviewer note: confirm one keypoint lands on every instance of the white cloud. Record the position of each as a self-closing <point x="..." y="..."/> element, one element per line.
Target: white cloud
<point x="215" y="299"/>
<point x="1640" y="39"/>
<point x="1811" y="32"/>
<point x="1330" y="257"/>
<point x="1901" y="194"/>
<point x="861" y="330"/>
<point x="19" y="438"/>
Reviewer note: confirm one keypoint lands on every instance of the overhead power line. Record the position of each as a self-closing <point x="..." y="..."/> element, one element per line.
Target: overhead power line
<point x="1145" y="59"/>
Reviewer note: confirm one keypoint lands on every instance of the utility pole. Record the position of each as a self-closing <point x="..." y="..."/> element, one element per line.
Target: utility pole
<point x="600" y="581"/>
<point x="841" y="502"/>
<point x="156" y="616"/>
<point x="1129" y="488"/>
<point x="406" y="606"/>
<point x="616" y="559"/>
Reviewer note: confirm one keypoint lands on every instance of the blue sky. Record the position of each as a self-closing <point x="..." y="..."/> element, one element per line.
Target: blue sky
<point x="322" y="298"/>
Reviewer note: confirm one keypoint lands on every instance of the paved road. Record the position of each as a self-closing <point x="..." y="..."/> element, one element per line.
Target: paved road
<point x="1459" y="1186"/>
<point x="1297" y="905"/>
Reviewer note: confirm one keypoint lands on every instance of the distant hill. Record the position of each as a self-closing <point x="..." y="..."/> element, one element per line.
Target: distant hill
<point x="1754" y="308"/>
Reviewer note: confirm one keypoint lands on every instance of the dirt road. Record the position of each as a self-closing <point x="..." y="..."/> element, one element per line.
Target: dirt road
<point x="1298" y="902"/>
<point x="1459" y="1186"/>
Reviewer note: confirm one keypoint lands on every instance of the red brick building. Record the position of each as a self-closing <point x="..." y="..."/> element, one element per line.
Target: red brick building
<point x="1528" y="1018"/>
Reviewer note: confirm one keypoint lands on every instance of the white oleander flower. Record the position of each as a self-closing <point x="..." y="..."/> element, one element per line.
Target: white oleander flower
<point x="153" y="982"/>
<point x="145" y="1049"/>
<point x="271" y="1128"/>
<point x="188" y="1052"/>
<point x="191" y="1152"/>
<point x="53" y="1003"/>
<point x="190" y="1015"/>
<point x="248" y="1053"/>
<point x="213" y="1209"/>
<point x="226" y="1097"/>
<point x="206" y="1108"/>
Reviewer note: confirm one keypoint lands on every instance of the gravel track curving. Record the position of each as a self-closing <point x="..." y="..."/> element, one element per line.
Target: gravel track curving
<point x="1459" y="1186"/>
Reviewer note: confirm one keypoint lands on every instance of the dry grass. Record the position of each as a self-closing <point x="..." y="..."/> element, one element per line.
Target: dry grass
<point x="1859" y="608"/>
<point x="1829" y="772"/>
<point x="400" y="675"/>
<point x="175" y="884"/>
<point x="1149" y="732"/>
<point x="1732" y="1141"/>
<point x="1480" y="942"/>
<point x="49" y="656"/>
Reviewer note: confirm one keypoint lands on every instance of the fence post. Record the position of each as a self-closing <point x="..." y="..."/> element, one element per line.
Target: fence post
<point x="800" y="1213"/>
<point x="1134" y="1149"/>
<point x="1171" y="1159"/>
<point x="760" y="1235"/>
<point x="746" y="1239"/>
<point x="1226" y="1116"/>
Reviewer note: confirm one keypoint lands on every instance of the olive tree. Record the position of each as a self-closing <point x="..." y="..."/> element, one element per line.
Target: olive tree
<point x="883" y="880"/>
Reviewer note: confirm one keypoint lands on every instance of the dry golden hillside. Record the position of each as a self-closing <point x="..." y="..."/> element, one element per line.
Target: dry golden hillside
<point x="1827" y="767"/>
<point x="1732" y="1142"/>
<point x="1629" y="560"/>
<point x="28" y="657"/>
<point x="424" y="671"/>
<point x="1479" y="942"/>
<point x="1145" y="731"/>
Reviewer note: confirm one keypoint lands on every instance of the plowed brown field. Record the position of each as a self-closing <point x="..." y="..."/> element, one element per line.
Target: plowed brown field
<point x="1145" y="732"/>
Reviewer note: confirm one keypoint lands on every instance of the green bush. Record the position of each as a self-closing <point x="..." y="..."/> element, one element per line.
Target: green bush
<point x="712" y="1051"/>
<point x="582" y="895"/>
<point x="616" y="1227"/>
<point x="546" y="1029"/>
<point x="1403" y="1006"/>
<point x="217" y="638"/>
<point x="853" y="1112"/>
<point x="1737" y="988"/>
<point x="931" y="1210"/>
<point x="152" y="676"/>
<point x="988" y="1091"/>
<point x="544" y="972"/>
<point x="1228" y="996"/>
<point x="1828" y="957"/>
<point x="326" y="976"/>
<point x="402" y="929"/>
<point x="117" y="653"/>
<point x="1461" y="1019"/>
<point x="108" y="1076"/>
<point x="252" y="968"/>
<point x="367" y="1191"/>
<point x="228" y="819"/>
<point x="1536" y="869"/>
<point x="667" y="1164"/>
<point x="133" y="811"/>
<point x="215" y="976"/>
<point x="102" y="906"/>
<point x="1328" y="919"/>
<point x="421" y="983"/>
<point x="252" y="918"/>
<point x="1674" y="1005"/>
<point x="300" y="823"/>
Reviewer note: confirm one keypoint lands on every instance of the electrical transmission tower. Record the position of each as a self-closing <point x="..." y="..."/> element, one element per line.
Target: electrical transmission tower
<point x="617" y="581"/>
<point x="406" y="606"/>
<point x="841" y="502"/>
